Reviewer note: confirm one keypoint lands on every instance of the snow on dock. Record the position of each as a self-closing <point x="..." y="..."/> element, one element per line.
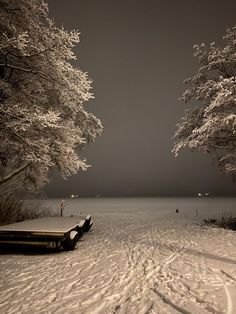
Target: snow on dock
<point x="45" y="224"/>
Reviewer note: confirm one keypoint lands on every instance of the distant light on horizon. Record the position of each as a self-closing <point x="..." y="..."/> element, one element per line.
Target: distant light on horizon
<point x="74" y="196"/>
<point x="203" y="194"/>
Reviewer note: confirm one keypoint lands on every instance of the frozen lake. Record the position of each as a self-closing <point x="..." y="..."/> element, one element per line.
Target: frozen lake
<point x="163" y="208"/>
<point x="139" y="258"/>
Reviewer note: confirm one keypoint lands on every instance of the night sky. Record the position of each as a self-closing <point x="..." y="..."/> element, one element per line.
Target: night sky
<point x="138" y="53"/>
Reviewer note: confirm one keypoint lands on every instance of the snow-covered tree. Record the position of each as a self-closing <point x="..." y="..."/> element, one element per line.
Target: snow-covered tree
<point x="209" y="125"/>
<point x="43" y="123"/>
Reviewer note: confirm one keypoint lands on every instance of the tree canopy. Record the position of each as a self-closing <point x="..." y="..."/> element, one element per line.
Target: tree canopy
<point x="43" y="123"/>
<point x="209" y="125"/>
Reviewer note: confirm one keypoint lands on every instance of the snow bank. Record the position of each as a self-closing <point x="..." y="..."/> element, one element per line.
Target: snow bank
<point x="134" y="260"/>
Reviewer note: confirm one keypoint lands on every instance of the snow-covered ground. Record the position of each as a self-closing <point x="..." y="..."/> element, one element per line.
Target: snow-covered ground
<point x="139" y="257"/>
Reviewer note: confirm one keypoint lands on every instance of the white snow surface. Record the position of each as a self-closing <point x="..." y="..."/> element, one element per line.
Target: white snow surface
<point x="139" y="257"/>
<point x="45" y="224"/>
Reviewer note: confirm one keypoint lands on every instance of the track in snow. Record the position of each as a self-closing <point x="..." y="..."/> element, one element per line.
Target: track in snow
<point x="125" y="266"/>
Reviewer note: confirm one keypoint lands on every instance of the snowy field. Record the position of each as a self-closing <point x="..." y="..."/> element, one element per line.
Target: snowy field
<point x="139" y="257"/>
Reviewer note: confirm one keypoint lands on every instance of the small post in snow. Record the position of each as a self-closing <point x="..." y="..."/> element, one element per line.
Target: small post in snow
<point x="196" y="212"/>
<point x="62" y="207"/>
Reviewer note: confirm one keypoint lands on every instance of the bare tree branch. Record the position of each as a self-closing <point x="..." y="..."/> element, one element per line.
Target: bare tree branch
<point x="219" y="147"/>
<point x="14" y="173"/>
<point x="24" y="70"/>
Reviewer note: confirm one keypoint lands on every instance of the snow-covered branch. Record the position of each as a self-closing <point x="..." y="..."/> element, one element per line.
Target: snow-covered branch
<point x="42" y="117"/>
<point x="211" y="124"/>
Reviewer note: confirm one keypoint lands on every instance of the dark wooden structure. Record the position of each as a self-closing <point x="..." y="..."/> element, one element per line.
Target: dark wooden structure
<point x="47" y="232"/>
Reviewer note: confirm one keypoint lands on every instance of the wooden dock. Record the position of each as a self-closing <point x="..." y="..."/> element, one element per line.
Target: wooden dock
<point x="48" y="232"/>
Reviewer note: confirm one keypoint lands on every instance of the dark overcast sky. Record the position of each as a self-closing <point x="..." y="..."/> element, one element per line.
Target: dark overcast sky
<point x="138" y="53"/>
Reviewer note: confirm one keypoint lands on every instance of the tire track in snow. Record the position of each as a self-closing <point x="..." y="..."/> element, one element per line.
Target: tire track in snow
<point x="161" y="268"/>
<point x="229" y="288"/>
